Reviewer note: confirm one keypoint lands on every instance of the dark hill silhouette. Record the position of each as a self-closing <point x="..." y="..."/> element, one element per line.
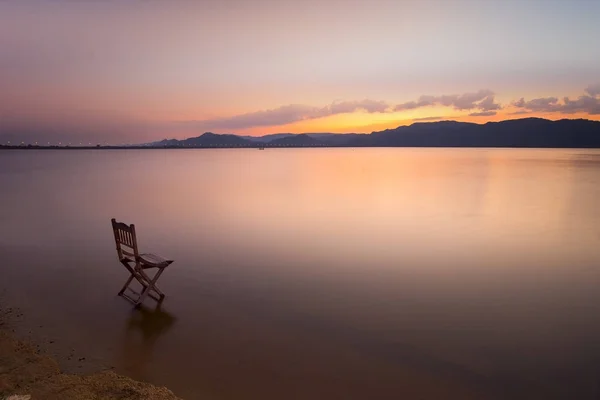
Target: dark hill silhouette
<point x="525" y="132"/>
<point x="336" y="139"/>
<point x="267" y="138"/>
<point x="296" y="141"/>
<point x="528" y="132"/>
<point x="213" y="139"/>
<point x="166" y="143"/>
<point x="331" y="139"/>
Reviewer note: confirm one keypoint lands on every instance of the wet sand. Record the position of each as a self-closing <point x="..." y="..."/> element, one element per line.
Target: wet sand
<point x="25" y="370"/>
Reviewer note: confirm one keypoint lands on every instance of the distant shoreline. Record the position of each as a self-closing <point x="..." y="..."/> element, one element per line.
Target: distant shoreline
<point x="150" y="147"/>
<point x="21" y="148"/>
<point x="517" y="133"/>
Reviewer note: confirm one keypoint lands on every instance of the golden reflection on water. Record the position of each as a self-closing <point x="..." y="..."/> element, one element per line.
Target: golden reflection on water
<point x="345" y="273"/>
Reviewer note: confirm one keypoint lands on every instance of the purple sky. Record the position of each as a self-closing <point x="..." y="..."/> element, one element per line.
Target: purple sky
<point x="135" y="71"/>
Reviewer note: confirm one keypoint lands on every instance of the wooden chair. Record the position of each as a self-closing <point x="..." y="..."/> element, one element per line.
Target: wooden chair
<point x="137" y="263"/>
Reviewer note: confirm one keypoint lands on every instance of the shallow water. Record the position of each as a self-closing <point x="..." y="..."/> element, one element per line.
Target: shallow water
<point x="317" y="273"/>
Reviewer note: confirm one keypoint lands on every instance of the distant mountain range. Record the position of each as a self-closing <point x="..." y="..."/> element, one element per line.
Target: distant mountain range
<point x="526" y="132"/>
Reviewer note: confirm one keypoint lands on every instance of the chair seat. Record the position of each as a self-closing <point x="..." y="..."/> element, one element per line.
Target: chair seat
<point x="153" y="260"/>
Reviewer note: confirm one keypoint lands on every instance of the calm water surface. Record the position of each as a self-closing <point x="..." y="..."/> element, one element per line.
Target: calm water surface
<point x="316" y="273"/>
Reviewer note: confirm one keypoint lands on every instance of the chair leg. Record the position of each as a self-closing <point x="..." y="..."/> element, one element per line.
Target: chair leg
<point x="126" y="284"/>
<point x="151" y="286"/>
<point x="158" y="292"/>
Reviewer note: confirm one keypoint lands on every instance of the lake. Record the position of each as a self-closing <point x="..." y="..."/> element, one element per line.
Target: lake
<point x="368" y="273"/>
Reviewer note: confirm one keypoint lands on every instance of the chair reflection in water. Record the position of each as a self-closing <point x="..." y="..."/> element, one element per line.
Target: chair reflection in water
<point x="142" y="330"/>
<point x="151" y="323"/>
<point x="137" y="264"/>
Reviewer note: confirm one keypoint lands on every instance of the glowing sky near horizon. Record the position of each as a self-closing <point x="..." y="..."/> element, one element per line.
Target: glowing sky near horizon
<point x="135" y="71"/>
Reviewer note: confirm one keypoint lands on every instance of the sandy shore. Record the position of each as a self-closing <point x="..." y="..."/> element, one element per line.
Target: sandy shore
<point x="24" y="370"/>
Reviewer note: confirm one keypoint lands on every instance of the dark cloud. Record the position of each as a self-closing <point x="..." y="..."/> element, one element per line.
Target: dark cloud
<point x="541" y="104"/>
<point x="519" y="103"/>
<point x="488" y="104"/>
<point x="370" y="106"/>
<point x="482" y="100"/>
<point x="483" y="114"/>
<point x="413" y="104"/>
<point x="289" y="114"/>
<point x="428" y="119"/>
<point x="469" y="101"/>
<point x="521" y="112"/>
<point x="277" y="116"/>
<point x="588" y="103"/>
<point x="593" y="90"/>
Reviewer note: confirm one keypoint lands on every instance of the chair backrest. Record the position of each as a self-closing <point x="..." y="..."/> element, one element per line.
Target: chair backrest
<point x="125" y="240"/>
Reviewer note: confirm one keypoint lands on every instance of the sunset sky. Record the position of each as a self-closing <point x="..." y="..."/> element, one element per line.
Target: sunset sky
<point x="139" y="71"/>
